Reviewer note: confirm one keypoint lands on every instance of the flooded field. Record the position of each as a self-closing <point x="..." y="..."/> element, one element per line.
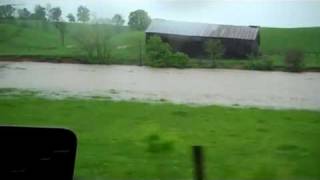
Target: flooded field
<point x="196" y="86"/>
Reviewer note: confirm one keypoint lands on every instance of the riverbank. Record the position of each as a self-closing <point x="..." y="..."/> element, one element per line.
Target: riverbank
<point x="194" y="63"/>
<point x="191" y="86"/>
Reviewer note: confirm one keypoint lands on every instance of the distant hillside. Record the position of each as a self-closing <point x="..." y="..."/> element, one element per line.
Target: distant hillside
<point x="37" y="39"/>
<point x="33" y="39"/>
<point x="278" y="40"/>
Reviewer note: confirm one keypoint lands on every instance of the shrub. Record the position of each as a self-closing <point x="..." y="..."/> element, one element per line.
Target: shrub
<point x="215" y="49"/>
<point x="158" y="52"/>
<point x="261" y="64"/>
<point x="95" y="41"/>
<point x="179" y="60"/>
<point x="294" y="60"/>
<point x="155" y="144"/>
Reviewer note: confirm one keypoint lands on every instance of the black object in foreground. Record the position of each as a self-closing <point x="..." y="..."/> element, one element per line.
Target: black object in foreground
<point x="36" y="153"/>
<point x="198" y="162"/>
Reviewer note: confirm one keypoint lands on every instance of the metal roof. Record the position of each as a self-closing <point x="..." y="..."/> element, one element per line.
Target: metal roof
<point x="202" y="29"/>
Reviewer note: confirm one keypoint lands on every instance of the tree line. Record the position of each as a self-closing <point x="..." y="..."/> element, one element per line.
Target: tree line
<point x="94" y="39"/>
<point x="138" y="20"/>
<point x="43" y="13"/>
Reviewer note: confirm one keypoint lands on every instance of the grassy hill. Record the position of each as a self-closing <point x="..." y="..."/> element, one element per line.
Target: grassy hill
<point x="278" y="40"/>
<point x="36" y="39"/>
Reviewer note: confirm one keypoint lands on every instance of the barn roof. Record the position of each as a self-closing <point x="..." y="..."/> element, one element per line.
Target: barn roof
<point x="202" y="29"/>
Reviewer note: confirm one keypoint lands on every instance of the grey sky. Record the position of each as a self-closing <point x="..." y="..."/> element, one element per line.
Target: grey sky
<point x="272" y="13"/>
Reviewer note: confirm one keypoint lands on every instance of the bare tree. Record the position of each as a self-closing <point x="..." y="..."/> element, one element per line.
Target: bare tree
<point x="95" y="41"/>
<point x="61" y="26"/>
<point x="214" y="49"/>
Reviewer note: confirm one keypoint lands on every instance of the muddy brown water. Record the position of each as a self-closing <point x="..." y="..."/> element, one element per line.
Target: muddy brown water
<point x="196" y="86"/>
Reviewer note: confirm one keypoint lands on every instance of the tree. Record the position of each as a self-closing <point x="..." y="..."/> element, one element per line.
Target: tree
<point x="83" y="14"/>
<point x="158" y="52"/>
<point x="117" y="20"/>
<point x="179" y="60"/>
<point x="39" y="13"/>
<point x="95" y="41"/>
<point x="48" y="8"/>
<point x="6" y="11"/>
<point x="139" y="20"/>
<point x="55" y="14"/>
<point x="215" y="49"/>
<point x="24" y="13"/>
<point x="71" y="18"/>
<point x="61" y="26"/>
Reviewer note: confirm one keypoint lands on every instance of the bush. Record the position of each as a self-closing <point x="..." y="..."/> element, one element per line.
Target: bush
<point x="262" y="64"/>
<point x="158" y="52"/>
<point x="155" y="144"/>
<point x="294" y="60"/>
<point x="95" y="41"/>
<point x="179" y="60"/>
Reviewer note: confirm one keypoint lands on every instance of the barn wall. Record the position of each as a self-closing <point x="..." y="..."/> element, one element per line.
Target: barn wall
<point x="194" y="46"/>
<point x="237" y="48"/>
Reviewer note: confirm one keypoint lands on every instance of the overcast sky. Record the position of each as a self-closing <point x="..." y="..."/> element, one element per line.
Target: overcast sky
<point x="272" y="13"/>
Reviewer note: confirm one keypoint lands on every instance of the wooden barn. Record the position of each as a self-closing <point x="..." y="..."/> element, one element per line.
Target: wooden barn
<point x="190" y="38"/>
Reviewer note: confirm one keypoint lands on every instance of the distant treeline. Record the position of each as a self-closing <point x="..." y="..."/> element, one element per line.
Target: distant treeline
<point x="138" y="20"/>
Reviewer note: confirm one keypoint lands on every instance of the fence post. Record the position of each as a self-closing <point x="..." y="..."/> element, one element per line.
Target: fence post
<point x="140" y="53"/>
<point x="198" y="159"/>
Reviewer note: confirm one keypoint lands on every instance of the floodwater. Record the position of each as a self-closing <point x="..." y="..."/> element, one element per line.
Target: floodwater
<point x="195" y="86"/>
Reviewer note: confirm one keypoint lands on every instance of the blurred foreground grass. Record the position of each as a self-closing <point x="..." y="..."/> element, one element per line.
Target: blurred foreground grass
<point x="136" y="140"/>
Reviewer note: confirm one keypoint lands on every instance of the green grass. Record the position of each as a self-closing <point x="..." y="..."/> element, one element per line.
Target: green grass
<point x="127" y="47"/>
<point x="36" y="40"/>
<point x="33" y="39"/>
<point x="279" y="40"/>
<point x="133" y="140"/>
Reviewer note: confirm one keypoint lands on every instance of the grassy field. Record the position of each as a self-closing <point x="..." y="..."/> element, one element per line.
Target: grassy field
<point x="279" y="40"/>
<point x="38" y="41"/>
<point x="135" y="140"/>
<point x="33" y="39"/>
